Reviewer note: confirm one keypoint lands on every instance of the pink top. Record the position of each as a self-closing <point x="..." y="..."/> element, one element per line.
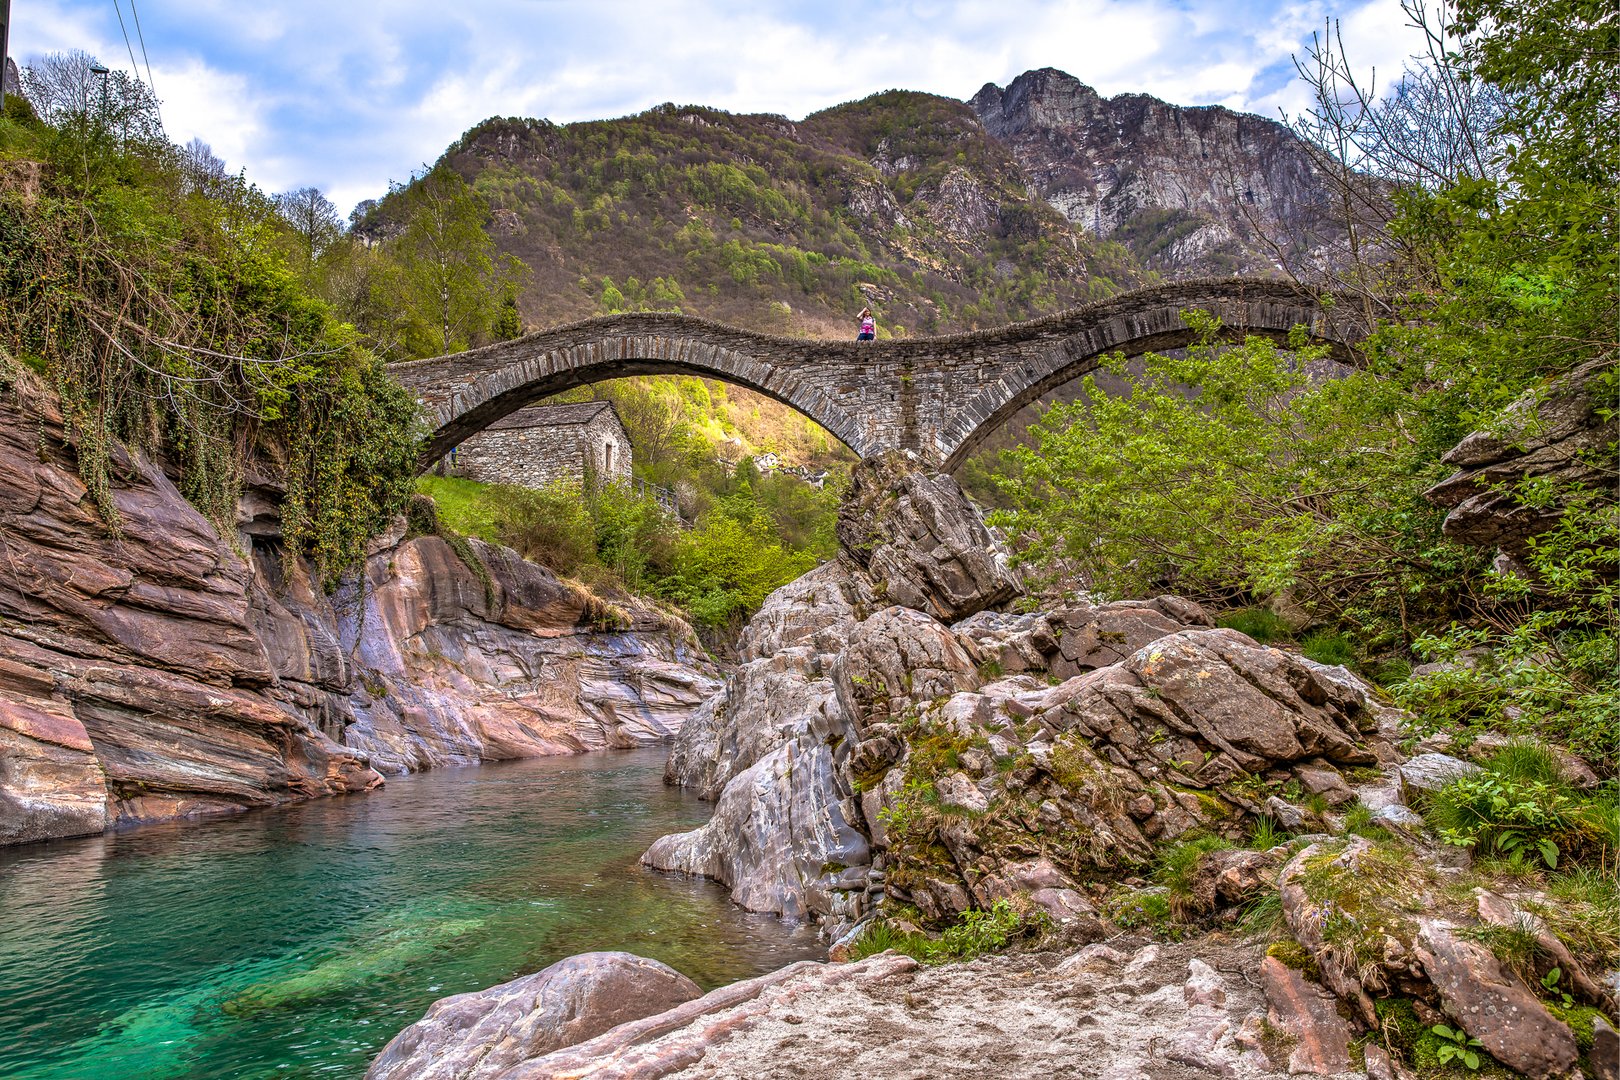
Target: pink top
<point x="869" y="325"/>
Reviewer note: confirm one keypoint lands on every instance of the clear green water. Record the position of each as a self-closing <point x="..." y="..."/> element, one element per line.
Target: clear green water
<point x="297" y="942"/>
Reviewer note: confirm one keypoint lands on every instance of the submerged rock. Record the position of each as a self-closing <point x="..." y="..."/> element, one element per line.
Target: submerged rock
<point x="482" y="1035"/>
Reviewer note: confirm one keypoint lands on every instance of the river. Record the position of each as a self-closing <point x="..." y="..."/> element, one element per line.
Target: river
<point x="297" y="941"/>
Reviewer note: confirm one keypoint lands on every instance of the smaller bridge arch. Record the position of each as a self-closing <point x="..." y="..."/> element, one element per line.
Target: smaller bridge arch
<point x="938" y="397"/>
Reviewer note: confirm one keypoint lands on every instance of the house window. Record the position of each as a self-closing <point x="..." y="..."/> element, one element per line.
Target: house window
<point x="607" y="458"/>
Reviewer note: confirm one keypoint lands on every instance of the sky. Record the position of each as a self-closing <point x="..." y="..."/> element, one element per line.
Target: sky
<point x="346" y="95"/>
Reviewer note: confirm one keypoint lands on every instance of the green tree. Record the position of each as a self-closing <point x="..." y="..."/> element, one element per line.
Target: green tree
<point x="453" y="279"/>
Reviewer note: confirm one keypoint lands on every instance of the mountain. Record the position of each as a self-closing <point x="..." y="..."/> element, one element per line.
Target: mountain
<point x="902" y="202"/>
<point x="939" y="214"/>
<point x="1191" y="191"/>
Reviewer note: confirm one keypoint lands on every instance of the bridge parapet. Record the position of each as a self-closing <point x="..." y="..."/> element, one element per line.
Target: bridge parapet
<point x="938" y="397"/>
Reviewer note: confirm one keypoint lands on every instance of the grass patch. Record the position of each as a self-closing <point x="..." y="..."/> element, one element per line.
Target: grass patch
<point x="974" y="934"/>
<point x="1262" y="624"/>
<point x="1523" y="804"/>
<point x="1177" y="869"/>
<point x="1361" y="904"/>
<point x="464" y="506"/>
<point x="1583" y="911"/>
<point x="1144" y="909"/>
<point x="1268" y="833"/>
<point x="1294" y="955"/>
<point x="1262" y="917"/>
<point x="1359" y="821"/>
<point x="1329" y="647"/>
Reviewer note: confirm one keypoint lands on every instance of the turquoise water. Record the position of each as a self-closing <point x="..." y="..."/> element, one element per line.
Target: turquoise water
<point x="296" y="942"/>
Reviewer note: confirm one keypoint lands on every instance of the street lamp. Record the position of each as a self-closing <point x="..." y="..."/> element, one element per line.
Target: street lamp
<point x="97" y="69"/>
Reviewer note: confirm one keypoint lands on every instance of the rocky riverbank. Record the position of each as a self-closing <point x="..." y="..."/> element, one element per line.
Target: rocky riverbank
<point x="897" y="754"/>
<point x="152" y="668"/>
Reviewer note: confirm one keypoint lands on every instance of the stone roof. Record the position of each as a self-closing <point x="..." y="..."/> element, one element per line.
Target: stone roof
<point x="535" y="416"/>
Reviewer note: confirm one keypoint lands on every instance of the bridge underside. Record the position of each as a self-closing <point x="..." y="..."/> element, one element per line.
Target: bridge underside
<point x="937" y="397"/>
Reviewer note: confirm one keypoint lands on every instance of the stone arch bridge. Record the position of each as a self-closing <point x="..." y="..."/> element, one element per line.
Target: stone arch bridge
<point x="938" y="397"/>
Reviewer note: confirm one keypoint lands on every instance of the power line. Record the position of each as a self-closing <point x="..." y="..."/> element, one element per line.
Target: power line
<point x="136" y="68"/>
<point x="142" y="38"/>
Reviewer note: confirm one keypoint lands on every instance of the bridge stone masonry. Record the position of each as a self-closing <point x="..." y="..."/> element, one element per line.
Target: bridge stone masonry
<point x="937" y="397"/>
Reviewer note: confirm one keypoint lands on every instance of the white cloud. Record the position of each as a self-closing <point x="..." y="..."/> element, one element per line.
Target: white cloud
<point x="348" y="95"/>
<point x="216" y="107"/>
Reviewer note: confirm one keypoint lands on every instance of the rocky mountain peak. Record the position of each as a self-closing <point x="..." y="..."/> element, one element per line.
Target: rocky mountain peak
<point x="1191" y="190"/>
<point x="1044" y="98"/>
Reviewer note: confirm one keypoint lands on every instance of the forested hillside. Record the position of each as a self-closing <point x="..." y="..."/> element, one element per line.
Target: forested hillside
<point x="901" y="202"/>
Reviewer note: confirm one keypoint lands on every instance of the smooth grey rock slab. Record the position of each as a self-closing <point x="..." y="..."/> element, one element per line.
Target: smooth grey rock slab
<point x="478" y="1036"/>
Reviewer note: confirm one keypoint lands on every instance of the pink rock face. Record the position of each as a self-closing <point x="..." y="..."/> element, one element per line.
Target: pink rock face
<point x="132" y="683"/>
<point x="1310" y="1014"/>
<point x="154" y="672"/>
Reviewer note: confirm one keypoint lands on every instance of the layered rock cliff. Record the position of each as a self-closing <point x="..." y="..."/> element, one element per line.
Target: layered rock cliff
<point x="1192" y="191"/>
<point x="152" y="669"/>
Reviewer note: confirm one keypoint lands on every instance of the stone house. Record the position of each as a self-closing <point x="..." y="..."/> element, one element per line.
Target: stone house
<point x="584" y="443"/>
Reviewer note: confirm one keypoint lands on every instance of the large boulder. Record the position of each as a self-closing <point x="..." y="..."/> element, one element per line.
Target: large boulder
<point x="943" y="767"/>
<point x="1376" y="920"/>
<point x="779" y="838"/>
<point x="765" y="704"/>
<point x="898" y="659"/>
<point x="1310" y="1016"/>
<point x="1493" y="1005"/>
<point x="920" y="540"/>
<point x="479" y="1036"/>
<point x="815" y="611"/>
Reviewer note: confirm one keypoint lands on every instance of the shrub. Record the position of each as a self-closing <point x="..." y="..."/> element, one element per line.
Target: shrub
<point x="975" y="933"/>
<point x="1140" y="908"/>
<point x="1499" y="813"/>
<point x="552" y="527"/>
<point x="981" y="931"/>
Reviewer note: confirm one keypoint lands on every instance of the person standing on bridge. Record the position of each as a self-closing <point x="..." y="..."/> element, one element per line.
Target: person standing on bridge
<point x="868" y="326"/>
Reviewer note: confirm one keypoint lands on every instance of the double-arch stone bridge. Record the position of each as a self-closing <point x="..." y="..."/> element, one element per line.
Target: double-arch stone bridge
<point x="938" y="397"/>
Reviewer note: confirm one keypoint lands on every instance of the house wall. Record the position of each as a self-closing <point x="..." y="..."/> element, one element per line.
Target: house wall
<point x="539" y="456"/>
<point x="608" y="447"/>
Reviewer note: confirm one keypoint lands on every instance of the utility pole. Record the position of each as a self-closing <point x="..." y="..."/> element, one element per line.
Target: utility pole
<point x="5" y="47"/>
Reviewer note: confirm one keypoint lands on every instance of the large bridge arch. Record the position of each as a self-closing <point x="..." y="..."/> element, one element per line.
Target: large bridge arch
<point x="937" y="397"/>
<point x="467" y="392"/>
